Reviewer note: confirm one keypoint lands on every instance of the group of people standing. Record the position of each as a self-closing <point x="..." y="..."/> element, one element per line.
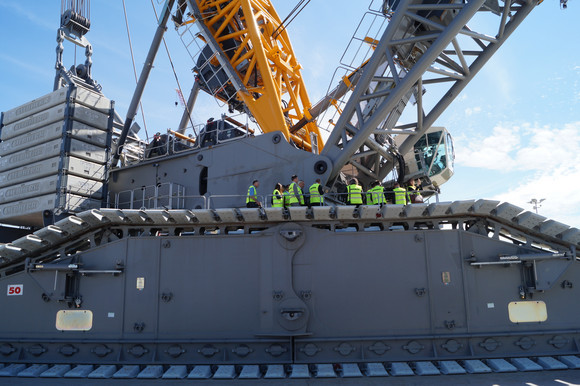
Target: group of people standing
<point x="376" y="194"/>
<point x="285" y="196"/>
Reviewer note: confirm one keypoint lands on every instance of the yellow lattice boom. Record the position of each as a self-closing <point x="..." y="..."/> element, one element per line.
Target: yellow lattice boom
<point x="262" y="56"/>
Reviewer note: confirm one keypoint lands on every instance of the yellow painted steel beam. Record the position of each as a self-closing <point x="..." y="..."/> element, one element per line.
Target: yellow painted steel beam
<point x="266" y="66"/>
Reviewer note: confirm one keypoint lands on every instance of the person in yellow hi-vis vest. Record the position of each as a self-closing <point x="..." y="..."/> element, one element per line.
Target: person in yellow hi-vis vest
<point x="252" y="197"/>
<point x="316" y="194"/>
<point x="355" y="193"/>
<point x="286" y="196"/>
<point x="278" y="196"/>
<point x="296" y="196"/>
<point x="413" y="194"/>
<point x="400" y="194"/>
<point x="376" y="194"/>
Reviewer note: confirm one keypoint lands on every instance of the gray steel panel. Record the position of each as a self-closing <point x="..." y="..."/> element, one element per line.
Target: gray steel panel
<point x="175" y="372"/>
<point x="550" y="363"/>
<point x="31" y="171"/>
<point x="553" y="228"/>
<point x="30" y="155"/>
<point x="298" y="213"/>
<point x="451" y="367"/>
<point x="369" y="212"/>
<point x="300" y="371"/>
<point x="392" y="211"/>
<point x="83" y="168"/>
<point x="80" y="371"/>
<point x="29" y="211"/>
<point x="425" y="368"/>
<point x="87" y="133"/>
<point x="251" y="215"/>
<point x="227" y="215"/>
<point x="445" y="269"/>
<point x="53" y="131"/>
<point x="56" y="371"/>
<point x="508" y="211"/>
<point x="572" y="235"/>
<point x="484" y="207"/>
<point x="415" y="210"/>
<point x="321" y="212"/>
<point x="438" y="209"/>
<point x="476" y="366"/>
<point x="325" y="370"/>
<point x="274" y="372"/>
<point x="275" y="214"/>
<point x="529" y="219"/>
<point x="35" y="106"/>
<point x="525" y="364"/>
<point x="345" y="212"/>
<point x="103" y="372"/>
<point x="45" y="185"/>
<point x="376" y="370"/>
<point x="87" y="151"/>
<point x="401" y="369"/>
<point x="200" y="372"/>
<point x="32" y="138"/>
<point x="151" y="372"/>
<point x="127" y="372"/>
<point x="225" y="372"/>
<point x="12" y="369"/>
<point x="250" y="372"/>
<point x="51" y="149"/>
<point x="33" y="371"/>
<point x="350" y="370"/>
<point x="81" y="95"/>
<point x="80" y="113"/>
<point x="461" y="207"/>
<point x="571" y="361"/>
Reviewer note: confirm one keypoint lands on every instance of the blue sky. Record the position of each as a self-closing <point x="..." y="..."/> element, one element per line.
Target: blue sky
<point x="516" y="126"/>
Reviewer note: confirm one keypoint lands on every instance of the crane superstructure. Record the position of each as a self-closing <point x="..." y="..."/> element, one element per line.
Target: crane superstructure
<point x="425" y="48"/>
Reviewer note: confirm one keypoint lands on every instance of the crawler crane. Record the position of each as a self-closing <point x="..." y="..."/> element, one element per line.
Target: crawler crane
<point x="138" y="261"/>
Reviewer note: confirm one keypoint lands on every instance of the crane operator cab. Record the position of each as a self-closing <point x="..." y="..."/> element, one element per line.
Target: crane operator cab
<point x="433" y="157"/>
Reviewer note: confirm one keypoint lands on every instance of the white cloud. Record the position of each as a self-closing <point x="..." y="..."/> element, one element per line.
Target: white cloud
<point x="544" y="162"/>
<point x="492" y="152"/>
<point x="472" y="110"/>
<point x="525" y="148"/>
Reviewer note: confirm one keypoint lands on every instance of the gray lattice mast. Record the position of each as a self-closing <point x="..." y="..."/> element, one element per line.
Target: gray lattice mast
<point x="413" y="53"/>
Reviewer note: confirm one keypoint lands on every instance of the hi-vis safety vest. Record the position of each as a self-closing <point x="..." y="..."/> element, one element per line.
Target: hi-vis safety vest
<point x="400" y="198"/>
<point x="295" y="194"/>
<point x="251" y="193"/>
<point x="277" y="202"/>
<point x="412" y="194"/>
<point x="315" y="196"/>
<point x="286" y="198"/>
<point x="354" y="194"/>
<point x="377" y="195"/>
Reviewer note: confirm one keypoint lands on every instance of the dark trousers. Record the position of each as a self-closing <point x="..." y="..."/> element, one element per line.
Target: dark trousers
<point x="252" y="204"/>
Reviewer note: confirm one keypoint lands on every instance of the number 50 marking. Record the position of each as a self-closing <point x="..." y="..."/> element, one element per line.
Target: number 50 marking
<point x="14" y="289"/>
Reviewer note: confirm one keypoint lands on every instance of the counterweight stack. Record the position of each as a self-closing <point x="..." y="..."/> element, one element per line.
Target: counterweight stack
<point x="54" y="152"/>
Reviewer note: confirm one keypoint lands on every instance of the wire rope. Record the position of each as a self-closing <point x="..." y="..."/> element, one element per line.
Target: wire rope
<point x="174" y="73"/>
<point x="134" y="68"/>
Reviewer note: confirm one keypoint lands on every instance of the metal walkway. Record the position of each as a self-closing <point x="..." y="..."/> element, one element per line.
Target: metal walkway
<point x="501" y="219"/>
